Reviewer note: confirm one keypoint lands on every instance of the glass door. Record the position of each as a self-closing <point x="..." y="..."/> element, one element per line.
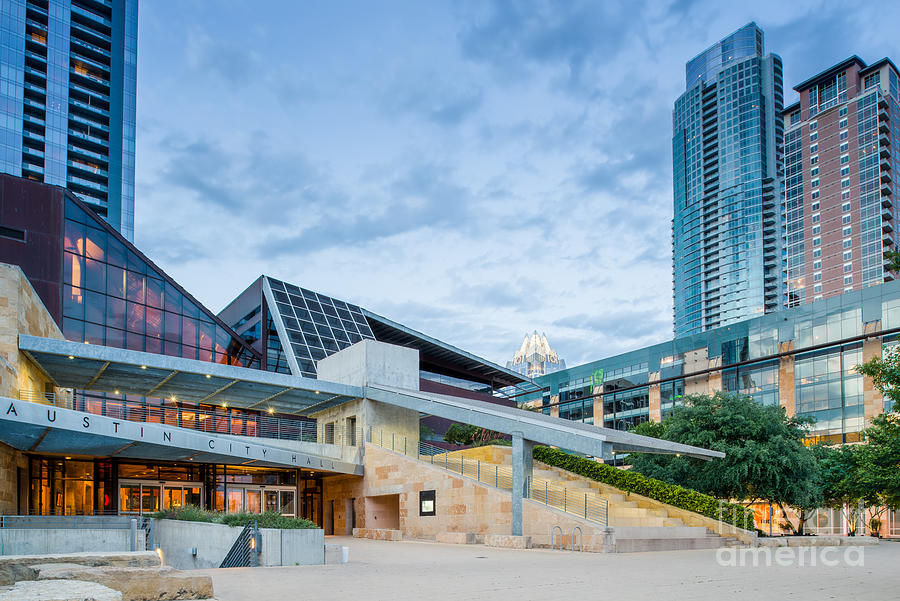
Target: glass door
<point x="254" y="498"/>
<point x="271" y="500"/>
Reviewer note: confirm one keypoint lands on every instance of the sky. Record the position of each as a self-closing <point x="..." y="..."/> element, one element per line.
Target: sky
<point x="474" y="170"/>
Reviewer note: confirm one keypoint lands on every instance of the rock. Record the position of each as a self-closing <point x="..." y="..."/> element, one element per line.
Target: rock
<point x="60" y="590"/>
<point x="135" y="584"/>
<point x="14" y="568"/>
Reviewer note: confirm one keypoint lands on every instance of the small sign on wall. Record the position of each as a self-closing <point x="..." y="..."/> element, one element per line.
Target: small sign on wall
<point x="426" y="502"/>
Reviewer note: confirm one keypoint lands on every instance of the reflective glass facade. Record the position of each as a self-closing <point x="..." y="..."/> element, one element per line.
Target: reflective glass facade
<point x="727" y="216"/>
<point x="801" y="358"/>
<point x="68" y="98"/>
<point x="115" y="297"/>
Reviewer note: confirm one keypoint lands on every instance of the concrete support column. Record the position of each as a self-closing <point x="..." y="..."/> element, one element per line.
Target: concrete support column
<point x="522" y="469"/>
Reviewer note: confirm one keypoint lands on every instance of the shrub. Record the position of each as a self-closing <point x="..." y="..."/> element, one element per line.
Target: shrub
<point x="269" y="519"/>
<point x="671" y="494"/>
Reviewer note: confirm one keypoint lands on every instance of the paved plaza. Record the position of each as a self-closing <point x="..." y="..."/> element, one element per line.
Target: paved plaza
<point x="399" y="571"/>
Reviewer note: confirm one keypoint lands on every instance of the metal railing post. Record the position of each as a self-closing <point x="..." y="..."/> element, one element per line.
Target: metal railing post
<point x="478" y="472"/>
<point x="564" y="499"/>
<point x="392" y="441"/>
<point x="404" y="445"/>
<point x="585" y="505"/>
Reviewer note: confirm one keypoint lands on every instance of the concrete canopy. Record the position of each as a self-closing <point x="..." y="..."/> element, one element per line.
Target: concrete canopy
<point x="107" y="369"/>
<point x="537" y="427"/>
<point x="41" y="428"/>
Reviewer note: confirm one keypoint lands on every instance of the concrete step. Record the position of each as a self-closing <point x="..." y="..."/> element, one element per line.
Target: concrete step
<point x="661" y="532"/>
<point x="59" y="590"/>
<point x="638" y="545"/>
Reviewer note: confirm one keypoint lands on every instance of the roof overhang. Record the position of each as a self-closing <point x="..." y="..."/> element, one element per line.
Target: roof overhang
<point x="38" y="428"/>
<point x="540" y="428"/>
<point x="107" y="369"/>
<point x="442" y="357"/>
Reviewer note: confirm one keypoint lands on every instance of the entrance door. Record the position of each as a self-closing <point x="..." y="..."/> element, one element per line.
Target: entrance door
<point x="254" y="500"/>
<point x="271" y="497"/>
<point x="329" y="518"/>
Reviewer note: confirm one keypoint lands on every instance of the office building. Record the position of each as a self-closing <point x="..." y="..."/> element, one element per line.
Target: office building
<point x="839" y="190"/>
<point x="726" y="135"/>
<point x="535" y="357"/>
<point x="68" y="97"/>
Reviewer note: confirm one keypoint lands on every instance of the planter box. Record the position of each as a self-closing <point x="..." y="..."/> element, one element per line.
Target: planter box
<point x="176" y="539"/>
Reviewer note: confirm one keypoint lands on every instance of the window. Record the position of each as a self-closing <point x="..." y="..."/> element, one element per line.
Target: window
<point x="848" y="279"/>
<point x="817" y="264"/>
<point x="814" y="194"/>
<point x="813" y="159"/>
<point x="846" y="231"/>
<point x="817" y="276"/>
<point x="815" y="206"/>
<point x="816" y="217"/>
<point x="848" y="254"/>
<point x="817" y="241"/>
<point x="814" y="172"/>
<point x="848" y="289"/>
<point x="813" y="125"/>
<point x="845" y="195"/>
<point x="845" y="183"/>
<point x="814" y="136"/>
<point x="814" y="148"/>
<point x="848" y="267"/>
<point x="845" y="207"/>
<point x="817" y="253"/>
<point x="817" y="288"/>
<point x="845" y="158"/>
<point x="845" y="219"/>
<point x="816" y="229"/>
<point x="844" y="135"/>
<point x="847" y="243"/>
<point x="843" y="111"/>
<point x="845" y="170"/>
<point x="842" y="123"/>
<point x="817" y="297"/>
<point x="845" y="147"/>
<point x="815" y="183"/>
<point x="426" y="502"/>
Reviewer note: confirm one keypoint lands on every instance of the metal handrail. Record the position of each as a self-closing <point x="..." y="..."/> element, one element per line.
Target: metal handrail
<point x="194" y="418"/>
<point x="245" y="550"/>
<point x="587" y="505"/>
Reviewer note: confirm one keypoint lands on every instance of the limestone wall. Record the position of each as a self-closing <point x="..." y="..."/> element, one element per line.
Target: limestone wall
<point x="21" y="312"/>
<point x="461" y="504"/>
<point x="12" y="492"/>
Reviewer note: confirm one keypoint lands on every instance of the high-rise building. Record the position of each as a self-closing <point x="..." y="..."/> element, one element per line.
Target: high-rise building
<point x="839" y="186"/>
<point x="727" y="257"/>
<point x="67" y="99"/>
<point x="535" y="357"/>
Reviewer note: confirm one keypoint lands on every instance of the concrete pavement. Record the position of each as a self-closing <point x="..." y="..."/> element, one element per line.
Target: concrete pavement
<point x="400" y="571"/>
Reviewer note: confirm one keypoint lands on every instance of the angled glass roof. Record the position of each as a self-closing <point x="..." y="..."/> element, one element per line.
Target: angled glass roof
<point x="311" y="326"/>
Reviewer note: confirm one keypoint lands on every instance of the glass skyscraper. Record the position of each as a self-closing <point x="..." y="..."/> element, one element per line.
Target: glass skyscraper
<point x="726" y="135"/>
<point x="67" y="99"/>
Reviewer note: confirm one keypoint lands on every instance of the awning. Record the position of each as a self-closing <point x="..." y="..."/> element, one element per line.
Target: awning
<point x="38" y="428"/>
<point x="120" y="371"/>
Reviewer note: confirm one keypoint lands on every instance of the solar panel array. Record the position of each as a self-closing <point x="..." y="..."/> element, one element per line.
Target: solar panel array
<point x="316" y="325"/>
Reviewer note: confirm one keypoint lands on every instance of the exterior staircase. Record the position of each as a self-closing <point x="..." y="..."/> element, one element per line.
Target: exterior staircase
<point x="637" y="523"/>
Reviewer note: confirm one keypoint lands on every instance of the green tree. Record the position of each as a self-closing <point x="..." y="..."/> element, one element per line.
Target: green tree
<point x="885" y="373"/>
<point x="468" y="435"/>
<point x="893" y="260"/>
<point x="765" y="461"/>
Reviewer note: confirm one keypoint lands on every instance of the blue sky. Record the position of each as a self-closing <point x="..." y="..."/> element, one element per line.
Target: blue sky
<point x="475" y="170"/>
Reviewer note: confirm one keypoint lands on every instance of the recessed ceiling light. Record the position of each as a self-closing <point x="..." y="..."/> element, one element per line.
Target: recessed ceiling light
<point x="117" y="392"/>
<point x="208" y="376"/>
<point x="317" y="392"/>
<point x="71" y="356"/>
<point x="271" y="410"/>
<point x="143" y="367"/>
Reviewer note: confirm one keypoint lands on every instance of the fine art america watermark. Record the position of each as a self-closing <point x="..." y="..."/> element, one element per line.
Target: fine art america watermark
<point x="753" y="557"/>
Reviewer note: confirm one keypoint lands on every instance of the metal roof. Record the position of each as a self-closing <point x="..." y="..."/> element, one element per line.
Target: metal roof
<point x="121" y="371"/>
<point x="442" y="357"/>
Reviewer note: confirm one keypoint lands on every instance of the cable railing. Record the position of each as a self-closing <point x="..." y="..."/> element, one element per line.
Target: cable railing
<point x="226" y="421"/>
<point x="585" y="504"/>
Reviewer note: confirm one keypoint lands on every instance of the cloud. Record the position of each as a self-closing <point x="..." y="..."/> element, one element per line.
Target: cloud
<point x="433" y="99"/>
<point x="627" y="323"/>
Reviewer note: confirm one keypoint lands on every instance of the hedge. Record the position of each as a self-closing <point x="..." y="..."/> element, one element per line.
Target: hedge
<point x="629" y="481"/>
<point x="269" y="519"/>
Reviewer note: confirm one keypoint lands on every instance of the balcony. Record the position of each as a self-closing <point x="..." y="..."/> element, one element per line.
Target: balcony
<point x="885" y="177"/>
